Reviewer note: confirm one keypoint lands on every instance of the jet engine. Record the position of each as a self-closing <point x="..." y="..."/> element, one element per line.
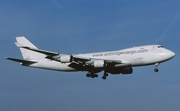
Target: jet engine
<point x="66" y="58"/>
<point x="99" y="64"/>
<point x="127" y="70"/>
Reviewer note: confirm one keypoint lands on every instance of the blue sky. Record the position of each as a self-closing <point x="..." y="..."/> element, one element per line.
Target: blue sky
<point x="69" y="26"/>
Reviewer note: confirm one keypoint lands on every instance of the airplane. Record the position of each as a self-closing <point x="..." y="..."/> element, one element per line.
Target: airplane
<point x="113" y="62"/>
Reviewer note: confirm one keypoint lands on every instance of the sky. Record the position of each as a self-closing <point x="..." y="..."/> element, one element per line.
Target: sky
<point x="83" y="26"/>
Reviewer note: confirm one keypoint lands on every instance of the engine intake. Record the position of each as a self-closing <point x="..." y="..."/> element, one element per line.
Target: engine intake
<point x="99" y="64"/>
<point x="66" y="58"/>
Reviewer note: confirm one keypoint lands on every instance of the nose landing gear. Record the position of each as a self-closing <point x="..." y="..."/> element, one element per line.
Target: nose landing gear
<point x="156" y="67"/>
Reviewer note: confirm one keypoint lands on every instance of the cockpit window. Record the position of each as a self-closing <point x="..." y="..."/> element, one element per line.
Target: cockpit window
<point x="160" y="46"/>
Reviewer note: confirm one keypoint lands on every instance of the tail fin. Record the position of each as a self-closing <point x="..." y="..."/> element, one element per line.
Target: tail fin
<point x="28" y="54"/>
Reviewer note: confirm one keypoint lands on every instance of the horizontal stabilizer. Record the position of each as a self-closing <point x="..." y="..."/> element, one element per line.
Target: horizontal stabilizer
<point x="21" y="61"/>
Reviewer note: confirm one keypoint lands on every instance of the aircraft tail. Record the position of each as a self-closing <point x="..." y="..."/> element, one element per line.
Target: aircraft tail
<point x="28" y="54"/>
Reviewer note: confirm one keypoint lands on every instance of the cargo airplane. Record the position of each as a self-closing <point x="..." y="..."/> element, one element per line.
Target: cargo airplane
<point x="113" y="62"/>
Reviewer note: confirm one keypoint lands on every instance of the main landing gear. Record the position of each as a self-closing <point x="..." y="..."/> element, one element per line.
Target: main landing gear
<point x="156" y="67"/>
<point x="105" y="75"/>
<point x="93" y="75"/>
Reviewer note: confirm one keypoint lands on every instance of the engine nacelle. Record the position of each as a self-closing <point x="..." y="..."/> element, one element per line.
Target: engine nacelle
<point x="128" y="70"/>
<point x="99" y="64"/>
<point x="65" y="58"/>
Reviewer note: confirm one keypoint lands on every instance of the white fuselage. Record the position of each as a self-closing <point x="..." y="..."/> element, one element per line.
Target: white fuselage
<point x="113" y="62"/>
<point x="135" y="56"/>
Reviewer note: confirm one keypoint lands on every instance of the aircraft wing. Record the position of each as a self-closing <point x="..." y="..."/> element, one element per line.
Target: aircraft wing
<point x="76" y="58"/>
<point x="89" y="61"/>
<point x="84" y="59"/>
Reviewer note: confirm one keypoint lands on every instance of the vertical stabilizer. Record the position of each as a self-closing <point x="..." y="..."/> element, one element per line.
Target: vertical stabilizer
<point x="28" y="54"/>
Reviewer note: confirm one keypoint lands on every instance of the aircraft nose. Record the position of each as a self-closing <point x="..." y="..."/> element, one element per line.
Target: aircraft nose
<point x="172" y="54"/>
<point x="169" y="54"/>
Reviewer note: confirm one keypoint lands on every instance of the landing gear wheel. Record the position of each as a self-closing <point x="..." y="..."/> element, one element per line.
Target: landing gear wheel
<point x="156" y="70"/>
<point x="92" y="76"/>
<point x="95" y="75"/>
<point x="104" y="77"/>
<point x="88" y="75"/>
